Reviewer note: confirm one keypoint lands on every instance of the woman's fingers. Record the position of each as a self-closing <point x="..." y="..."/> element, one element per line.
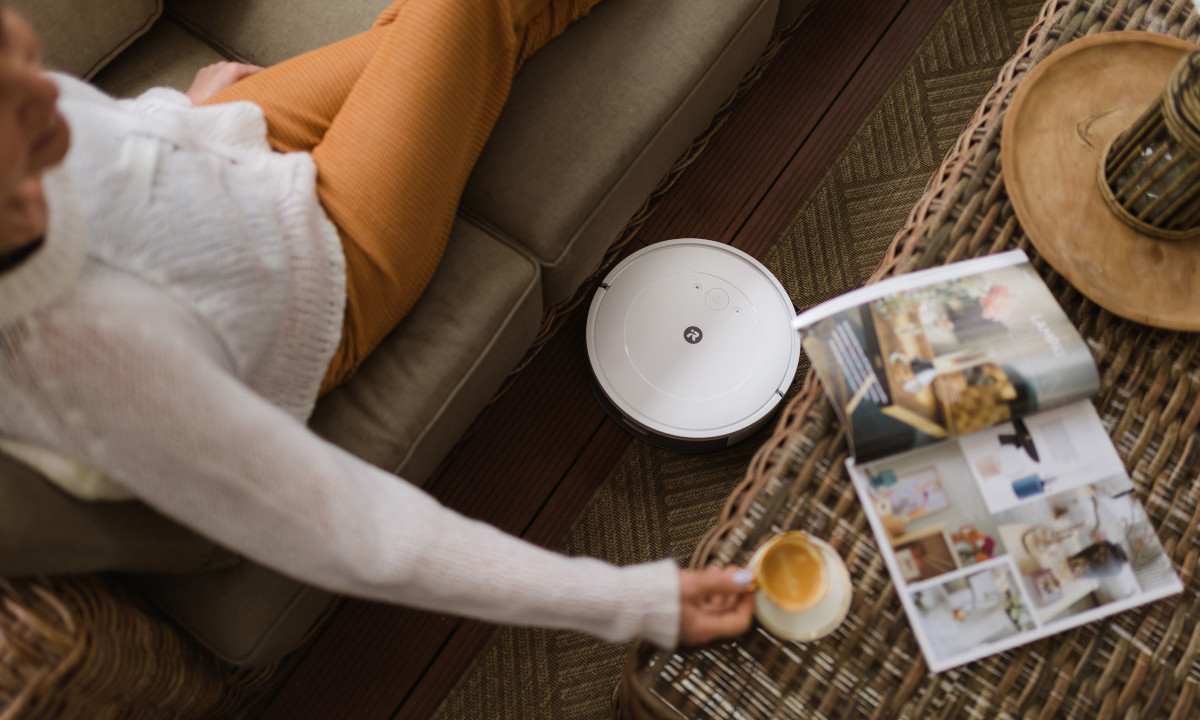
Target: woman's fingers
<point x="715" y="603"/>
<point x="214" y="78"/>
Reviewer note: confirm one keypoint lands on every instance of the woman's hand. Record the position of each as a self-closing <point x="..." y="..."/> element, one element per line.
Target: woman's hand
<point x="714" y="603"/>
<point x="217" y="77"/>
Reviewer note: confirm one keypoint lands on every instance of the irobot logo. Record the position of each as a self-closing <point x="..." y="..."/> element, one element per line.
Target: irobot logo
<point x="693" y="335"/>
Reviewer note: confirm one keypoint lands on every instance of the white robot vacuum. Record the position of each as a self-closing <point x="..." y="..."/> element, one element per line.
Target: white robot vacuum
<point x="691" y="344"/>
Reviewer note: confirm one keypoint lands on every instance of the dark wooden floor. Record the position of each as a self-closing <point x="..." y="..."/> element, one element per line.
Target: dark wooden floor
<point x="536" y="456"/>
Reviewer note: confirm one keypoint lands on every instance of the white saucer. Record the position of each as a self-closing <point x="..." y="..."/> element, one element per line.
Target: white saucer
<point x="818" y="621"/>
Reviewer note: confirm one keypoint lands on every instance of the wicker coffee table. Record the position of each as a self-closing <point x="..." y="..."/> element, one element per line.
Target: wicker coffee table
<point x="1140" y="664"/>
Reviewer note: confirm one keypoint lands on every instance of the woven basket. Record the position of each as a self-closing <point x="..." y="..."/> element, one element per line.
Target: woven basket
<point x="1143" y="663"/>
<point x="1150" y="176"/>
<point x="116" y="656"/>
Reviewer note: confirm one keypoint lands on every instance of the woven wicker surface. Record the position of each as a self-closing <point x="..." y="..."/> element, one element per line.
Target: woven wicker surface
<point x="1142" y="663"/>
<point x="117" y="658"/>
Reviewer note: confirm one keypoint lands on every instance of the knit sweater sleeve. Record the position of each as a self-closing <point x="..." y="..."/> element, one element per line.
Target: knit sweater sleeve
<point x="191" y="441"/>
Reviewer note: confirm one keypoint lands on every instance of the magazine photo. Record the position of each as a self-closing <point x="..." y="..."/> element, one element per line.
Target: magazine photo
<point x="941" y="353"/>
<point x="978" y="577"/>
<point x="1000" y="505"/>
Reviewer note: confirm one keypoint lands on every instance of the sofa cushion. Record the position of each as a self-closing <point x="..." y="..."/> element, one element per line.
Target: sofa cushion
<point x="81" y="36"/>
<point x="44" y="531"/>
<point x="246" y="615"/>
<point x="167" y="56"/>
<point x="265" y="32"/>
<point x="595" y="122"/>
<point x="417" y="393"/>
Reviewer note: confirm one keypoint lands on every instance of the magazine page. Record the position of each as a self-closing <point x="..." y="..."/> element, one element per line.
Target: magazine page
<point x="1010" y="535"/>
<point x="945" y="352"/>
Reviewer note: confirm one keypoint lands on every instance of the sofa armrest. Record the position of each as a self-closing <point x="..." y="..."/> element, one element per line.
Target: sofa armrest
<point x="82" y="36"/>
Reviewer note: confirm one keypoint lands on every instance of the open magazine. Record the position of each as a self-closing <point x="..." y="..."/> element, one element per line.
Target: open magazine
<point x="1003" y="510"/>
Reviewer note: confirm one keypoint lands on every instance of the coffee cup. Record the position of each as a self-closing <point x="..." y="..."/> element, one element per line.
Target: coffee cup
<point x="792" y="571"/>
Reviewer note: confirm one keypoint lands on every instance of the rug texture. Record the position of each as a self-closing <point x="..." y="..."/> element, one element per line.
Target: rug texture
<point x="658" y="503"/>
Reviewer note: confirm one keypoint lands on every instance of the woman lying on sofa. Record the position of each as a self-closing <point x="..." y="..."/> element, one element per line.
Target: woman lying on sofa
<point x="178" y="289"/>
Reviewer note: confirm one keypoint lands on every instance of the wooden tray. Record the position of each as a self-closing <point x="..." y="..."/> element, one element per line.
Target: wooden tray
<point x="1061" y="119"/>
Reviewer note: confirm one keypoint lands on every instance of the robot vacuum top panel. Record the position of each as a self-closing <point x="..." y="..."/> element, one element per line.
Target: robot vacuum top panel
<point x="692" y="338"/>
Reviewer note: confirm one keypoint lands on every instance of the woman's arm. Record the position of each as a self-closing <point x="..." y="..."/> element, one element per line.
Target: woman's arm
<point x="183" y="435"/>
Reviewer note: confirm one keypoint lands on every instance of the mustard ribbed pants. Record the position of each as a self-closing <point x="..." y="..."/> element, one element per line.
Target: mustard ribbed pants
<point x="395" y="119"/>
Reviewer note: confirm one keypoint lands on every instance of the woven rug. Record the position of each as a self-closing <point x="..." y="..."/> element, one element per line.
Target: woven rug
<point x="658" y="503"/>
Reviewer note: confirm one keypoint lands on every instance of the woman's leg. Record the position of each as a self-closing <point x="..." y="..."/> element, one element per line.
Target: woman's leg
<point x="301" y="96"/>
<point x="395" y="119"/>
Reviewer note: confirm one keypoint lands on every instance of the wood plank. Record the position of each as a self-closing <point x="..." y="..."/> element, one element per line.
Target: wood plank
<point x="547" y="530"/>
<point x="530" y="438"/>
<point x="367" y="655"/>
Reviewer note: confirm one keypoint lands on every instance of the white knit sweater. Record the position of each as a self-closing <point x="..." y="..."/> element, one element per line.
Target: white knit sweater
<point x="172" y="333"/>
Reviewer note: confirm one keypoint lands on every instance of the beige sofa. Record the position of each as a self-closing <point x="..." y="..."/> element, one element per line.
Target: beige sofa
<point x="594" y="122"/>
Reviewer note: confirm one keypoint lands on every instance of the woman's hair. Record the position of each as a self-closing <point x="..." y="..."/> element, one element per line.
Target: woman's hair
<point x="9" y="259"/>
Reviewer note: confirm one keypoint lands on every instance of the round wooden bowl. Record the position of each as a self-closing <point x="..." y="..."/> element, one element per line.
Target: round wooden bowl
<point x="1060" y="121"/>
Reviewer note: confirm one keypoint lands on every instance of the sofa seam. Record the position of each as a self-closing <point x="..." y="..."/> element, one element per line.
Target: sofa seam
<point x="194" y="30"/>
<point x="129" y="39"/>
